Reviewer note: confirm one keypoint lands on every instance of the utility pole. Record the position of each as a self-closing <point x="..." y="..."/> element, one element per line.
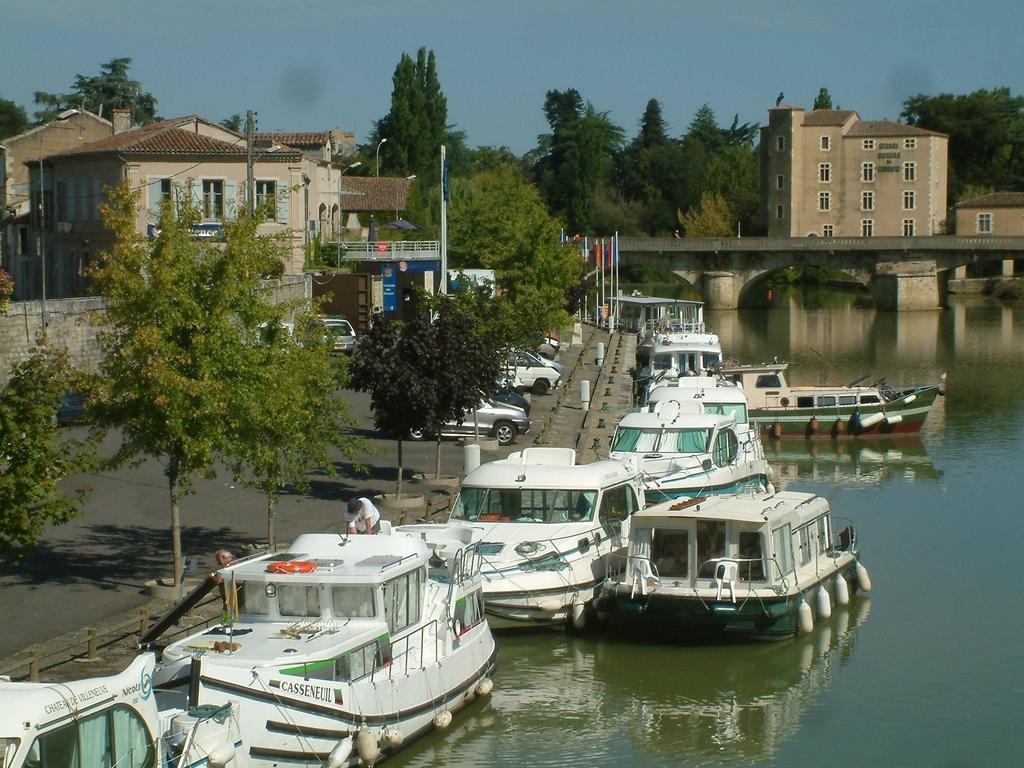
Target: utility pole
<point x="250" y="135"/>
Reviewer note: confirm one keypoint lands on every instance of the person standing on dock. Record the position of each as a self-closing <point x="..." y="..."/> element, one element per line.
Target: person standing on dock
<point x="362" y="516"/>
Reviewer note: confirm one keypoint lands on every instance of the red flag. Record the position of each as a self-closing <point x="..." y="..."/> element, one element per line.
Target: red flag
<point x="599" y="255"/>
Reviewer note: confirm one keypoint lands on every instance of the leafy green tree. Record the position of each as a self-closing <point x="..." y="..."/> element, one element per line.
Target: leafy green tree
<point x="281" y="434"/>
<point x="417" y="123"/>
<point x="823" y="100"/>
<point x="111" y="89"/>
<point x="13" y="119"/>
<point x="986" y="134"/>
<point x="735" y="174"/>
<point x="388" y="363"/>
<point x="33" y="457"/>
<point x="712" y="218"/>
<point x="233" y="123"/>
<point x="179" y="340"/>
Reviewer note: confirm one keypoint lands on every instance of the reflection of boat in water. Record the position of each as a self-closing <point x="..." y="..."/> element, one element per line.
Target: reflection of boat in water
<point x="743" y="699"/>
<point x="850" y="462"/>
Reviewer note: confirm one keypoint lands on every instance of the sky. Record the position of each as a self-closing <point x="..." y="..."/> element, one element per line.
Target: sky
<point x="317" y="64"/>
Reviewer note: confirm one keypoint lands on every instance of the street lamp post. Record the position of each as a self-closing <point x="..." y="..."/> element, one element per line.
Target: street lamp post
<point x="379" y="145"/>
<point x="341" y="206"/>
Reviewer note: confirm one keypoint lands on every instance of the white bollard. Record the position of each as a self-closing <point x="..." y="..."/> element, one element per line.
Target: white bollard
<point x="600" y="353"/>
<point x="585" y="394"/>
<point x="470" y="457"/>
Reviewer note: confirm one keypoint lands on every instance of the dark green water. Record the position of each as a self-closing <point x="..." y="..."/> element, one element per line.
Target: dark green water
<point x="927" y="672"/>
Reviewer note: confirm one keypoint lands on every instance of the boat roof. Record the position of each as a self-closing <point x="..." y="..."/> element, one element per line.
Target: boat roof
<point x="754" y="508"/>
<point x="707" y="390"/>
<point x="674" y="421"/>
<point x="657" y="301"/>
<point x="754" y="367"/>
<point x="44" y="703"/>
<point x="696" y="342"/>
<point x="505" y="474"/>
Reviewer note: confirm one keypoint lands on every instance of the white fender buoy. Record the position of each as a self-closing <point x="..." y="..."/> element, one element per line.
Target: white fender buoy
<point x="392" y="737"/>
<point x="804" y="618"/>
<point x="863" y="579"/>
<point x="549" y="605"/>
<point x="895" y="418"/>
<point x="221" y="755"/>
<point x="842" y="590"/>
<point x="484" y="687"/>
<point x="579" y="616"/>
<point x="443" y="720"/>
<point x="869" y="421"/>
<point x="366" y="746"/>
<point x="824" y="603"/>
<point x="340" y="754"/>
<point x="909" y="399"/>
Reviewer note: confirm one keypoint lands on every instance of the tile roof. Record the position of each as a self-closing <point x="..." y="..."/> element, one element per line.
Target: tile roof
<point x="369" y="193"/>
<point x="995" y="200"/>
<point x="299" y="139"/>
<point x="876" y="128"/>
<point x="823" y="117"/>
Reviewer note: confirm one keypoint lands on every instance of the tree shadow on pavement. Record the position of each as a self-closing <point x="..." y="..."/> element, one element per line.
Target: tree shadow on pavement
<point x="110" y="556"/>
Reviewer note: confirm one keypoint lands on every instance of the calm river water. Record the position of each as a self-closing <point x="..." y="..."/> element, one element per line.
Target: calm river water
<point x="928" y="671"/>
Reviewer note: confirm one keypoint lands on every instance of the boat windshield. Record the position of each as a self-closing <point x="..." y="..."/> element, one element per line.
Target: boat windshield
<point x="524" y="505"/>
<point x="685" y="440"/>
<point x="739" y="410"/>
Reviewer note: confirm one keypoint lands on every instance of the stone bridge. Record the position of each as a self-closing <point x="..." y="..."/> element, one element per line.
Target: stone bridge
<point x="901" y="272"/>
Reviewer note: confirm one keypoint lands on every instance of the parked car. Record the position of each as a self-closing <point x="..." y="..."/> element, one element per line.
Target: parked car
<point x="341" y="332"/>
<point x="71" y="410"/>
<point x="510" y="396"/>
<point x="499" y="420"/>
<point x="534" y="371"/>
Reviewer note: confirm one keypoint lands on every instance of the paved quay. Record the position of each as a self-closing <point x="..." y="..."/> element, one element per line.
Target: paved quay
<point x="91" y="572"/>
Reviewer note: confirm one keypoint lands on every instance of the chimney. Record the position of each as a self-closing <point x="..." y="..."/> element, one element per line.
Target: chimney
<point x="122" y="120"/>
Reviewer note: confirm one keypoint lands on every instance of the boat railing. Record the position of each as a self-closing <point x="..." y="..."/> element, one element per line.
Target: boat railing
<point x="407" y="643"/>
<point x="466" y="564"/>
<point x="846" y="540"/>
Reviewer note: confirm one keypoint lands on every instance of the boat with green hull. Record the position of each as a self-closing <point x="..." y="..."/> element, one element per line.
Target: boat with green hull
<point x="759" y="566"/>
<point x="853" y="410"/>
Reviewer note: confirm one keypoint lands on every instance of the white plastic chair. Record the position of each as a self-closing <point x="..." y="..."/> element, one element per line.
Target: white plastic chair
<point x="726" y="575"/>
<point x="642" y="575"/>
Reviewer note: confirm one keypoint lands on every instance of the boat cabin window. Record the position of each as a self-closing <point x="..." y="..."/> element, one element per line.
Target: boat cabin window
<point x="711" y="360"/>
<point x="364" y="660"/>
<point x="737" y="410"/>
<point x="550" y="505"/>
<point x="751" y="556"/>
<point x="670" y="553"/>
<point x="710" y="546"/>
<point x="868" y="399"/>
<point x="823" y="533"/>
<point x="782" y="544"/>
<point x="117" y="737"/>
<point x="662" y="362"/>
<point x="804" y="544"/>
<point x="805" y="401"/>
<point x="402" y="599"/>
<point x="847" y="399"/>
<point x="826" y="401"/>
<point x="726" y="448"/>
<point x="768" y="380"/>
<point x="252" y="598"/>
<point x="469" y="611"/>
<point x="685" y="441"/>
<point x="636" y="440"/>
<point x="616" y="505"/>
<point x="353" y="602"/>
<point x="296" y="600"/>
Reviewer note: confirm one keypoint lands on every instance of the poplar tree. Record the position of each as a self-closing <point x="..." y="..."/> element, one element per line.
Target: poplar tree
<point x="416" y="125"/>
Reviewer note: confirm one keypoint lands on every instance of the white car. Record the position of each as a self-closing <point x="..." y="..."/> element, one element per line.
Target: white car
<point x="535" y="373"/>
<point x="342" y="333"/>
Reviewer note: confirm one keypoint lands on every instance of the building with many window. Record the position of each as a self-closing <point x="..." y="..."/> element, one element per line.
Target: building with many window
<point x="827" y="173"/>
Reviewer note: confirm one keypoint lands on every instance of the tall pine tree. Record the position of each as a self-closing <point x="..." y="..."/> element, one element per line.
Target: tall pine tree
<point x="416" y="124"/>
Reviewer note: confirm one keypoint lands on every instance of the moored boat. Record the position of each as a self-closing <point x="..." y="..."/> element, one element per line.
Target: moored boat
<point x="758" y="566"/>
<point x="546" y="525"/>
<point x="853" y="410"/>
<point x="347" y="647"/>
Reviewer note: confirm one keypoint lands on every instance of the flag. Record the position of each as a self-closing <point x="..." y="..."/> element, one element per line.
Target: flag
<point x="599" y="255"/>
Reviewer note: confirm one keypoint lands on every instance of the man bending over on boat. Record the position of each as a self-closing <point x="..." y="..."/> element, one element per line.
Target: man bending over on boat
<point x="362" y="516"/>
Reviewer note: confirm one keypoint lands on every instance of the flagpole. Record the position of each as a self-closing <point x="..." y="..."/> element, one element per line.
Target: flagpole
<point x="444" y="223"/>
<point x="618" y="284"/>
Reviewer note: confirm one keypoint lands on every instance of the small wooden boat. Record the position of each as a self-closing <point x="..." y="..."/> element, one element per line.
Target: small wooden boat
<point x="757" y="566"/>
<point x="854" y="410"/>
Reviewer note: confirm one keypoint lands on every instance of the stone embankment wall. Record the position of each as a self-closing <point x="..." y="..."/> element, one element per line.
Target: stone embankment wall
<point x="73" y="324"/>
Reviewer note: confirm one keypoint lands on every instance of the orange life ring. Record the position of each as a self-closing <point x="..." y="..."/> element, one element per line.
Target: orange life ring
<point x="292" y="566"/>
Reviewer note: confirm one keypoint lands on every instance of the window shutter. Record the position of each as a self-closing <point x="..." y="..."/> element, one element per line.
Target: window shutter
<point x="197" y="197"/>
<point x="97" y="199"/>
<point x="154" y="197"/>
<point x="230" y="199"/>
<point x="282" y="196"/>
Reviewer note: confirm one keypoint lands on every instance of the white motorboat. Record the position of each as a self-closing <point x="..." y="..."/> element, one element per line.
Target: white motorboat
<point x="345" y="647"/>
<point x="681" y="347"/>
<point x="546" y="526"/>
<point x="693" y="438"/>
<point x="113" y="721"/>
<point x="760" y="565"/>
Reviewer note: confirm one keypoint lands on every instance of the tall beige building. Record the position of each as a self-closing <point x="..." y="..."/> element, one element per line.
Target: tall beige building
<point x="827" y="173"/>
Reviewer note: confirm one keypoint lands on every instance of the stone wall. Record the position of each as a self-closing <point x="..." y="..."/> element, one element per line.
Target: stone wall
<point x="72" y="324"/>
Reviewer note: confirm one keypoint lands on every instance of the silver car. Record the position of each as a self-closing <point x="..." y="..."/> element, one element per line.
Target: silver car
<point x="497" y="420"/>
<point x="342" y="335"/>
